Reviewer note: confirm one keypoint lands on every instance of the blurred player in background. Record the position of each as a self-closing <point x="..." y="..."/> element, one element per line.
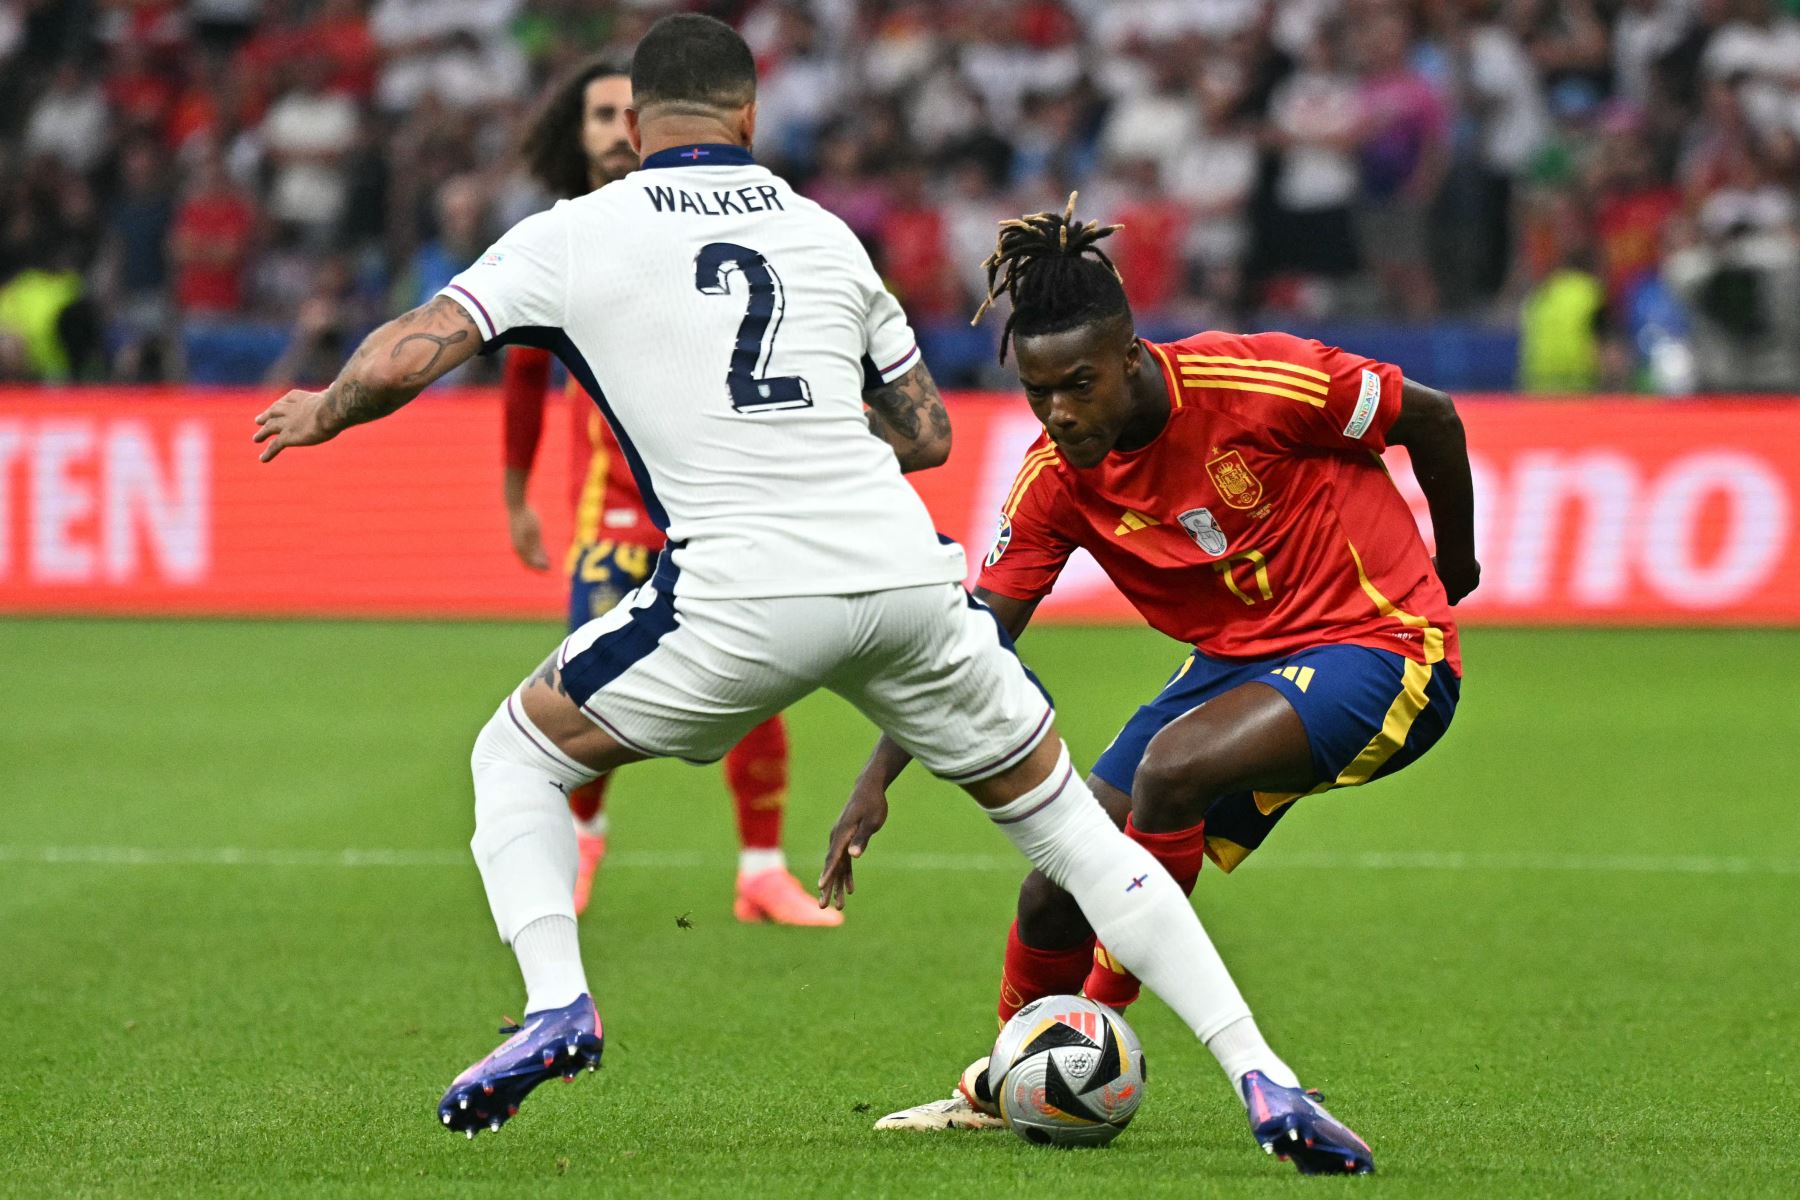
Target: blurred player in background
<point x="769" y="393"/>
<point x="575" y="144"/>
<point x="1231" y="486"/>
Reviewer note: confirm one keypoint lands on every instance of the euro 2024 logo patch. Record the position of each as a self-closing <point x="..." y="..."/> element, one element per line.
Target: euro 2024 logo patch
<point x="1001" y="540"/>
<point x="1204" y="529"/>
<point x="1231" y="475"/>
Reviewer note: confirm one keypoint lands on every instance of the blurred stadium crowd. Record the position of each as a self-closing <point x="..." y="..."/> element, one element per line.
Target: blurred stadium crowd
<point x="231" y="190"/>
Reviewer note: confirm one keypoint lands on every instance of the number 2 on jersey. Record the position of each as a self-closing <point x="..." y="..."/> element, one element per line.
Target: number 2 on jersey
<point x="750" y="390"/>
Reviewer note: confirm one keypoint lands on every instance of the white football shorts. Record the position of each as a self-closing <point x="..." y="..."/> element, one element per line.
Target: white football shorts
<point x="678" y="677"/>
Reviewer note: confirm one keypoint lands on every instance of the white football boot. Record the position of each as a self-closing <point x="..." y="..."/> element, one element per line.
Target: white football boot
<point x="971" y="1107"/>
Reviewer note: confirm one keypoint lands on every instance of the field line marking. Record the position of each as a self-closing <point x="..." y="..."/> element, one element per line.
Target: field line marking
<point x="1368" y="860"/>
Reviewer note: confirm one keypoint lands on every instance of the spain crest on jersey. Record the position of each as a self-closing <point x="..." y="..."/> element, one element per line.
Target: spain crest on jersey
<point x="1231" y="475"/>
<point x="1204" y="529"/>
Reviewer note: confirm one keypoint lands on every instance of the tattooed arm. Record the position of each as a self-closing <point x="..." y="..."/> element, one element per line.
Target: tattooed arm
<point x="394" y="364"/>
<point x="908" y="414"/>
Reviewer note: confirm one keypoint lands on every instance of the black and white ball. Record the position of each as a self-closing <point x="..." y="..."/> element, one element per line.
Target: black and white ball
<point x="1067" y="1072"/>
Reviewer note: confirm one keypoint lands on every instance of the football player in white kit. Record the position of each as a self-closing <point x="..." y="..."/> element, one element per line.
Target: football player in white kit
<point x="732" y="332"/>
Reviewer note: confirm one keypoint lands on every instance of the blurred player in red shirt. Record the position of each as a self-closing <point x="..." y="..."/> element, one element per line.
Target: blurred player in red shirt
<point x="1231" y="486"/>
<point x="575" y="144"/>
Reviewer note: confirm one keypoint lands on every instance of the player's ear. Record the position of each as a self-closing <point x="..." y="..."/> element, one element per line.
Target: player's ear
<point x="1134" y="358"/>
<point x="747" y="124"/>
<point x="633" y="133"/>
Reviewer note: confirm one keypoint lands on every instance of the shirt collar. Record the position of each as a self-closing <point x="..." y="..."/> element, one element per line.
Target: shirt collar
<point x="709" y="154"/>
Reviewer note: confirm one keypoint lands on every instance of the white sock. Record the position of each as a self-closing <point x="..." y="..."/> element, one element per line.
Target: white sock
<point x="755" y="862"/>
<point x="594" y="826"/>
<point x="550" y="957"/>
<point x="524" y="844"/>
<point x="1240" y="1049"/>
<point x="1134" y="907"/>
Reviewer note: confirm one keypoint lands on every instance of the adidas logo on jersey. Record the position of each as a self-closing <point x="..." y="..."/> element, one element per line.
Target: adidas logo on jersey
<point x="1132" y="521"/>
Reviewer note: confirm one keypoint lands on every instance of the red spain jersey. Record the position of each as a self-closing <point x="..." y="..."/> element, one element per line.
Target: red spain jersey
<point x="1260" y="521"/>
<point x="604" y="495"/>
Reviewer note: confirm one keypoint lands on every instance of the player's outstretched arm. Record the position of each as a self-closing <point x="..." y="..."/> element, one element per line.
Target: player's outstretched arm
<point x="865" y="812"/>
<point x="1433" y="435"/>
<point x="394" y="364"/>
<point x="909" y="415"/>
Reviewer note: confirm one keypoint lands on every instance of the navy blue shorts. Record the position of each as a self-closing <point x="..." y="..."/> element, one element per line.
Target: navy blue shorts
<point x="601" y="574"/>
<point x="1367" y="713"/>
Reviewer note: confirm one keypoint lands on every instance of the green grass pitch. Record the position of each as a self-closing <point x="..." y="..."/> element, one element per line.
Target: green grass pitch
<point x="1558" y="957"/>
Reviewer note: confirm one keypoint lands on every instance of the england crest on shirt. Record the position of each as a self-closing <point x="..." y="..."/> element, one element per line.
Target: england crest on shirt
<point x="1204" y="530"/>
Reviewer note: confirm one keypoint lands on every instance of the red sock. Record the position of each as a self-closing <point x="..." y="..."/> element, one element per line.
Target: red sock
<point x="1031" y="973"/>
<point x="1181" y="854"/>
<point x="756" y="770"/>
<point x="587" y="800"/>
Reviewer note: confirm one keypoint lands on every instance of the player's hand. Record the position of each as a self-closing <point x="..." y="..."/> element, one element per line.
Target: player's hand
<point x="527" y="536"/>
<point x="297" y="419"/>
<point x="864" y="813"/>
<point x="1459" y="576"/>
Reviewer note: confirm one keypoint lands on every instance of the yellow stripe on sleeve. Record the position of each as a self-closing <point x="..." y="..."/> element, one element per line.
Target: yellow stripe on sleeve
<point x="1025" y="469"/>
<point x="1265" y="388"/>
<point x="1255" y="362"/>
<point x="1245" y="373"/>
<point x="1036" y="466"/>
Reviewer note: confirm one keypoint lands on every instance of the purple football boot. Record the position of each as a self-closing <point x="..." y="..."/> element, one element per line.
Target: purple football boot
<point x="554" y="1041"/>
<point x="1292" y="1125"/>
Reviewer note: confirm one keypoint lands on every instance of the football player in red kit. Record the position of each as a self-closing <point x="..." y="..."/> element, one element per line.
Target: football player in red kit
<point x="575" y="144"/>
<point x="1232" y="488"/>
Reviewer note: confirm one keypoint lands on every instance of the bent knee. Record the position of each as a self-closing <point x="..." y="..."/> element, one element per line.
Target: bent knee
<point x="1174" y="781"/>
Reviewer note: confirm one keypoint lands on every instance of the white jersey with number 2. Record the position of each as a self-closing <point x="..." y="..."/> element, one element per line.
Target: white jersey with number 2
<point x="727" y="327"/>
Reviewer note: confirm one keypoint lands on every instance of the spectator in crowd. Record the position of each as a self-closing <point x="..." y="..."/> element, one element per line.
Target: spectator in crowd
<point x="137" y="263"/>
<point x="70" y="121"/>
<point x="800" y="87"/>
<point x="1211" y="177"/>
<point x="1739" y="275"/>
<point x="845" y="186"/>
<point x="308" y="134"/>
<point x="1148" y="250"/>
<point x="211" y="241"/>
<point x="1563" y="325"/>
<point x="1644" y="33"/>
<point x="50" y="330"/>
<point x="1633" y="208"/>
<point x="914" y="246"/>
<point x="1504" y="95"/>
<point x="462" y="234"/>
<point x="1405" y="153"/>
<point x="458" y="52"/>
<point x="1757" y="52"/>
<point x="321" y="334"/>
<point x="1313" y="130"/>
<point x="1384" y="160"/>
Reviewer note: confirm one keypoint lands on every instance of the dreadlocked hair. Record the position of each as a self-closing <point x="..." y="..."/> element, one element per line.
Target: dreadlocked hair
<point x="1052" y="269"/>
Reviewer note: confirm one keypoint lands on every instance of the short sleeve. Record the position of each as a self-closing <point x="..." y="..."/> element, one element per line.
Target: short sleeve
<point x="890" y="348"/>
<point x="1029" y="551"/>
<point x="522" y="280"/>
<point x="1340" y="401"/>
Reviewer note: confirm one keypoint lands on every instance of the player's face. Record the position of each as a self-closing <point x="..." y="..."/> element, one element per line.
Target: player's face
<point x="603" y="140"/>
<point x="1079" y="384"/>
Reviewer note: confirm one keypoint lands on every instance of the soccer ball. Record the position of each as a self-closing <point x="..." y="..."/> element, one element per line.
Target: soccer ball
<point x="1067" y="1072"/>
